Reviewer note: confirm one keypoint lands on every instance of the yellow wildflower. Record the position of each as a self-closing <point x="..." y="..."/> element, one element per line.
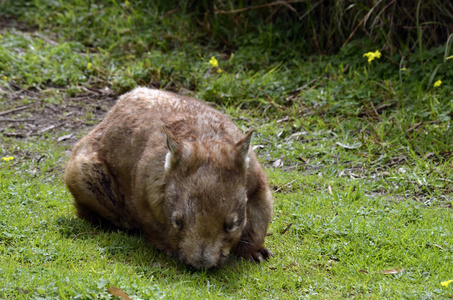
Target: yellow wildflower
<point x="127" y="3"/>
<point x="213" y="62"/>
<point x="219" y="71"/>
<point x="372" y="55"/>
<point x="5" y="78"/>
<point x="8" y="158"/>
<point x="89" y="66"/>
<point x="446" y="283"/>
<point x="437" y="83"/>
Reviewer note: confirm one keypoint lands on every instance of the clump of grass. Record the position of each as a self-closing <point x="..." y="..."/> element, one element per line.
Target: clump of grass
<point x="33" y="61"/>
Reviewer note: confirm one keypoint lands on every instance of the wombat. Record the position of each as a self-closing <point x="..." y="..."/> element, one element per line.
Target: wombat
<point x="179" y="171"/>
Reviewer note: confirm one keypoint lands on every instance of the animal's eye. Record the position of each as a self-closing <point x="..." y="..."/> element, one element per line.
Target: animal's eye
<point x="176" y="222"/>
<point x="231" y="225"/>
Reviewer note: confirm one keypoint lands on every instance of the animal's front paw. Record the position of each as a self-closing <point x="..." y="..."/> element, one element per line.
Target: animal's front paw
<point x="259" y="256"/>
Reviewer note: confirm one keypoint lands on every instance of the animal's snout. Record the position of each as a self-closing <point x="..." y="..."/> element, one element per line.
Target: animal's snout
<point x="204" y="257"/>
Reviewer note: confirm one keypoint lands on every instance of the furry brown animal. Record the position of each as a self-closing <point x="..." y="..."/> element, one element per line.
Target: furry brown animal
<point x="178" y="170"/>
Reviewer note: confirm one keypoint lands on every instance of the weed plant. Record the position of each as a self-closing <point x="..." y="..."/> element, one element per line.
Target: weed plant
<point x="358" y="150"/>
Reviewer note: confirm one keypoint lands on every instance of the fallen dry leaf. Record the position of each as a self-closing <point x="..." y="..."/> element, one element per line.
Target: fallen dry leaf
<point x="278" y="163"/>
<point x="394" y="271"/>
<point x="117" y="292"/>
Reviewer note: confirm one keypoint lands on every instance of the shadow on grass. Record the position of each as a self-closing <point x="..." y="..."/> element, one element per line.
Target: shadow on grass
<point x="131" y="248"/>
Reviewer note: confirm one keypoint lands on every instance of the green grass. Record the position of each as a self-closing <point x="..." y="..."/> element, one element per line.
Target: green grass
<point x="332" y="236"/>
<point x="359" y="156"/>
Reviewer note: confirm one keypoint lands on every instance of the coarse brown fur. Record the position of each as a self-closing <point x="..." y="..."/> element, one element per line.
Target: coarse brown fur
<point x="178" y="170"/>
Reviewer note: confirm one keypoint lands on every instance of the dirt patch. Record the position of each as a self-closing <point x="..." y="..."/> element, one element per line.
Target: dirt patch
<point x="30" y="113"/>
<point x="11" y="23"/>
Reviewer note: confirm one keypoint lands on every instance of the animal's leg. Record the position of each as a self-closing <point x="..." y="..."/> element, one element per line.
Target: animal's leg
<point x="94" y="189"/>
<point x="259" y="213"/>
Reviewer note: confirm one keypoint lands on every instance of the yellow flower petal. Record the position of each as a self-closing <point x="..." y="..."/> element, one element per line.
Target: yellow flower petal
<point x="89" y="66"/>
<point x="8" y="158"/>
<point x="372" y="55"/>
<point x="446" y="283"/>
<point x="213" y="62"/>
<point x="437" y="83"/>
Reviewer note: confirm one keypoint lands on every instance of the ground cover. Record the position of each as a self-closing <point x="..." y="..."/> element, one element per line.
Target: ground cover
<point x="358" y="153"/>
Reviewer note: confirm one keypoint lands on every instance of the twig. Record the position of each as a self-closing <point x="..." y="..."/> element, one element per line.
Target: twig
<point x="383" y="106"/>
<point x="361" y="21"/>
<point x="14" y="110"/>
<point x="397" y="160"/>
<point x="445" y="179"/>
<point x="435" y="245"/>
<point x="280" y="188"/>
<point x="286" y="229"/>
<point x="278" y="107"/>
<point x="355" y="29"/>
<point x="415" y="126"/>
<point x="89" y="232"/>
<point x="375" y="111"/>
<point x="293" y="93"/>
<point x="50" y="128"/>
<point x="13" y="134"/>
<point x="15" y="120"/>
<point x="310" y="83"/>
<point x="375" y="133"/>
<point x="46" y="39"/>
<point x="51" y="108"/>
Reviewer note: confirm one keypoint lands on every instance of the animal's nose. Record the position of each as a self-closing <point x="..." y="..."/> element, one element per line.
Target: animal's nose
<point x="206" y="257"/>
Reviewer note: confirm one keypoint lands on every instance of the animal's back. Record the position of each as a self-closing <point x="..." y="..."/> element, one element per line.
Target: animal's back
<point x="136" y="123"/>
<point x="142" y="113"/>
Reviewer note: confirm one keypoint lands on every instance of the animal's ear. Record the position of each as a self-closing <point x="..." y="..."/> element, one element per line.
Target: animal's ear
<point x="171" y="143"/>
<point x="174" y="152"/>
<point x="243" y="148"/>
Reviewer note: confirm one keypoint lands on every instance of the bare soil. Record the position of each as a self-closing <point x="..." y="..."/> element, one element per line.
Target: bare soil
<point x="64" y="120"/>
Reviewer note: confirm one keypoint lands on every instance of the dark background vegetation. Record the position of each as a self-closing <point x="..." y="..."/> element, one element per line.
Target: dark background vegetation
<point x="308" y="26"/>
<point x="325" y="26"/>
<point x="410" y="34"/>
